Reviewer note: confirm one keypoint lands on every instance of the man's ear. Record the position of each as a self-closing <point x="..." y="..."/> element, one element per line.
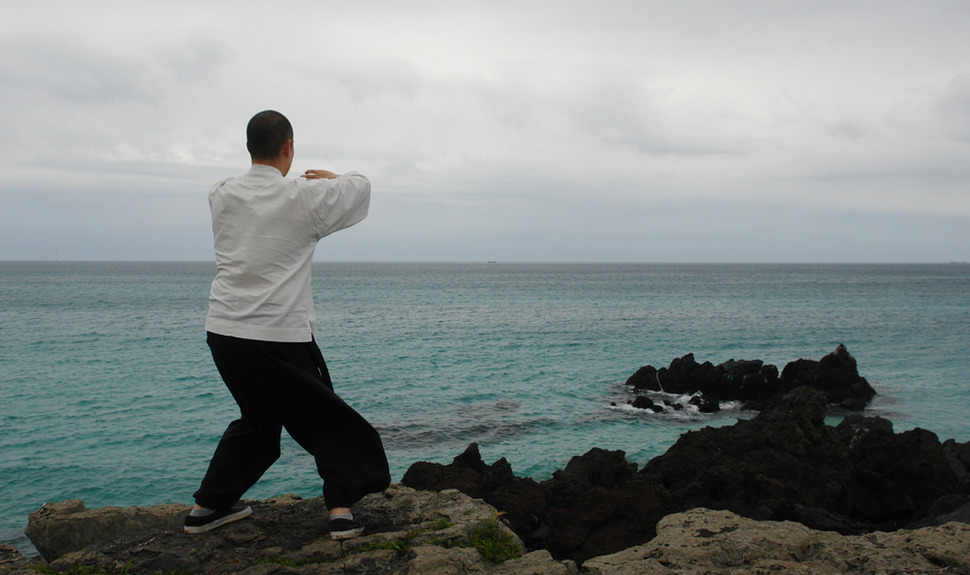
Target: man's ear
<point x="287" y="148"/>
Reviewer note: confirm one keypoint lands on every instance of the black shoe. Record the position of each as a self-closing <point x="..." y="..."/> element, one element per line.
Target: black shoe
<point x="218" y="518"/>
<point x="342" y="528"/>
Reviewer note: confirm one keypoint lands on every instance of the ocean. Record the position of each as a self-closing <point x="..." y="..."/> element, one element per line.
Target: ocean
<point x="108" y="394"/>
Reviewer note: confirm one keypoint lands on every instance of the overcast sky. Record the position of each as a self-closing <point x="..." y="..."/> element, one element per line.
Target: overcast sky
<point x="695" y="131"/>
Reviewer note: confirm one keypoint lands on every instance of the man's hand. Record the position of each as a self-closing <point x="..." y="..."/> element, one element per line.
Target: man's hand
<point x="319" y="174"/>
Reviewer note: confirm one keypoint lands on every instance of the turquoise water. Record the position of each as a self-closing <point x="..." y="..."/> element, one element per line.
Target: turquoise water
<point x="107" y="391"/>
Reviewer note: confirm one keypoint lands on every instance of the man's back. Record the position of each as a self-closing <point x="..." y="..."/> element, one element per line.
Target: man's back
<point x="265" y="230"/>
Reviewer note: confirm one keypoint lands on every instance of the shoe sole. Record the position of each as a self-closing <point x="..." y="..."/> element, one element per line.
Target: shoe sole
<point x="349" y="534"/>
<point x="219" y="522"/>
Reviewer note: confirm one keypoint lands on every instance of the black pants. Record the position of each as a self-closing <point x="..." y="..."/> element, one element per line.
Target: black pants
<point x="287" y="385"/>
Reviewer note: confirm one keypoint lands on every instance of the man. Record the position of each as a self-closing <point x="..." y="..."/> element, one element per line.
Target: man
<point x="260" y="330"/>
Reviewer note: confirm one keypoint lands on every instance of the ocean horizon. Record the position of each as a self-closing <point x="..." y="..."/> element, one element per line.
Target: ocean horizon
<point x="109" y="394"/>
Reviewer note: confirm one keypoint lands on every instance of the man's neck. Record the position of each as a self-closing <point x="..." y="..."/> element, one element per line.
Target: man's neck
<point x="279" y="164"/>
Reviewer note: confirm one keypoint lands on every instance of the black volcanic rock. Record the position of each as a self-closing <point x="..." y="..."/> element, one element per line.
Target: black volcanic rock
<point x="756" y="383"/>
<point x="642" y="402"/>
<point x="786" y="464"/>
<point x="835" y="374"/>
<point x="598" y="504"/>
<point x="705" y="404"/>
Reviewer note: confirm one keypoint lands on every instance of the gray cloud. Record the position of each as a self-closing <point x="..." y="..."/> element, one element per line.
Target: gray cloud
<point x="618" y="130"/>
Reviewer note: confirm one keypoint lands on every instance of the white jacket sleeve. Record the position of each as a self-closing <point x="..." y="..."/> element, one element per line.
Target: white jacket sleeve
<point x="337" y="204"/>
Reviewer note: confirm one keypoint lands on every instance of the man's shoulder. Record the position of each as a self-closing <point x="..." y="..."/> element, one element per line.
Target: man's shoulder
<point x="219" y="187"/>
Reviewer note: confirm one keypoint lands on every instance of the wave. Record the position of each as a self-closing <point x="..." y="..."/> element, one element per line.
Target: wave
<point x="672" y="407"/>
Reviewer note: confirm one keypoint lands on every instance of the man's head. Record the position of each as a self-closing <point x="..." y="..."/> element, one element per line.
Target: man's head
<point x="269" y="138"/>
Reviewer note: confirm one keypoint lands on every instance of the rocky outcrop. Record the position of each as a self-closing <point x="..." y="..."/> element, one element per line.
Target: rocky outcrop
<point x="598" y="515"/>
<point x="705" y="542"/>
<point x="598" y="504"/>
<point x="787" y="464"/>
<point x="755" y="383"/>
<point x="409" y="532"/>
<point x="283" y="536"/>
<point x="12" y="561"/>
<point x="59" y="528"/>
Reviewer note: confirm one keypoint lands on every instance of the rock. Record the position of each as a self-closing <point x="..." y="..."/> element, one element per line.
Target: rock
<point x="732" y="380"/>
<point x="685" y="376"/>
<point x="435" y="560"/>
<point x="597" y="504"/>
<point x="58" y="528"/>
<point x="537" y="563"/>
<point x="835" y="374"/>
<point x="897" y="478"/>
<point x="786" y="464"/>
<point x="705" y="404"/>
<point x="958" y="456"/>
<point x="645" y="378"/>
<point x="13" y="561"/>
<point x="283" y="536"/>
<point x="755" y="383"/>
<point x="702" y="541"/>
<point x="642" y="402"/>
<point x="431" y="533"/>
<point x="464" y="474"/>
<point x="408" y="531"/>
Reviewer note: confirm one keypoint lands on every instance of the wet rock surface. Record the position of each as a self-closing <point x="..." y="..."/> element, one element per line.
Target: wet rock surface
<point x="755" y="383"/>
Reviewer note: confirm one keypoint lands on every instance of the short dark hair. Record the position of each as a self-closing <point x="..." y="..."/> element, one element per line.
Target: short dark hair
<point x="266" y="133"/>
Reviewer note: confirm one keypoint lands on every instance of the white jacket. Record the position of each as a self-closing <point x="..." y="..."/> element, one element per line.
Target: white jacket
<point x="266" y="228"/>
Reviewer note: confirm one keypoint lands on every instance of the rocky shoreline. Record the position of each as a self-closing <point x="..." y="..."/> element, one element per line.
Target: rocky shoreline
<point x="439" y="533"/>
<point x="786" y="464"/>
<point x="782" y="492"/>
